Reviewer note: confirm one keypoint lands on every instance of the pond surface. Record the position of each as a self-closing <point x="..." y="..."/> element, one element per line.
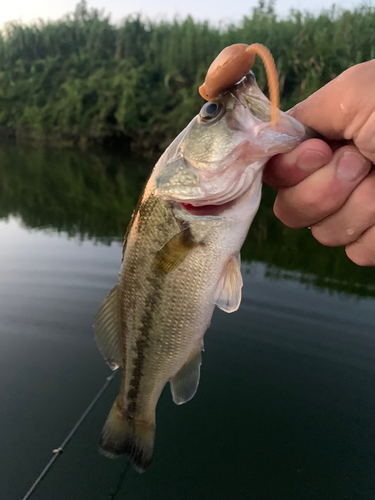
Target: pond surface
<point x="286" y="405"/>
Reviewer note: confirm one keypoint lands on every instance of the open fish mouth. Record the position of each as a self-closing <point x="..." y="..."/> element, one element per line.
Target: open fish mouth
<point x="207" y="210"/>
<point x="180" y="181"/>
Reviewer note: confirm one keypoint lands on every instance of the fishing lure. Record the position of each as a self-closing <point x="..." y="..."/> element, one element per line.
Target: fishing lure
<point x="232" y="64"/>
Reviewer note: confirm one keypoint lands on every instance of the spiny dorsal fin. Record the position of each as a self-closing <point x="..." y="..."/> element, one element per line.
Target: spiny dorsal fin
<point x="173" y="253"/>
<point x="185" y="383"/>
<point x="228" y="291"/>
<point x="108" y="332"/>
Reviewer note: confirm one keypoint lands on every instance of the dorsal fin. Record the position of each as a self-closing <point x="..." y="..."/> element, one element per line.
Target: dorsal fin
<point x="108" y="332"/>
<point x="228" y="291"/>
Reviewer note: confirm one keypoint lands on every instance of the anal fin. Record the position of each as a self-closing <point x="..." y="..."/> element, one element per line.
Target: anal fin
<point x="228" y="291"/>
<point x="108" y="332"/>
<point x="185" y="383"/>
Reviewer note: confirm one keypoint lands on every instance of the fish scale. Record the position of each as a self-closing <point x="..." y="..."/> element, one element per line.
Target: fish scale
<point x="176" y="329"/>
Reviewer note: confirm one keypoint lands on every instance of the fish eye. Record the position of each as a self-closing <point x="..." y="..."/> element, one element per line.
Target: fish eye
<point x="210" y="110"/>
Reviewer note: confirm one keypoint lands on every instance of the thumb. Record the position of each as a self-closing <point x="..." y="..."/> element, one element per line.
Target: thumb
<point x="344" y="108"/>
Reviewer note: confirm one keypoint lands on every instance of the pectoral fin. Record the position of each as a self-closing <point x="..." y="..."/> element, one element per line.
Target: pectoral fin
<point x="107" y="330"/>
<point x="173" y="253"/>
<point x="185" y="383"/>
<point x="228" y="291"/>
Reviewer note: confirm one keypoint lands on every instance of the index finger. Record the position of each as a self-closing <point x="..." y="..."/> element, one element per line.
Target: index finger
<point x="344" y="108"/>
<point x="288" y="169"/>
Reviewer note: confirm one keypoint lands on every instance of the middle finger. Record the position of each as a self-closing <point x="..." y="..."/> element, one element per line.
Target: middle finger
<point x="323" y="192"/>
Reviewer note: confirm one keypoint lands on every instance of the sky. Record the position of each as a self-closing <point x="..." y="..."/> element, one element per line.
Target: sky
<point x="214" y="11"/>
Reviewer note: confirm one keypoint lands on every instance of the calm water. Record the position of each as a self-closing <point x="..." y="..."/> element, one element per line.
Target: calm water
<point x="286" y="405"/>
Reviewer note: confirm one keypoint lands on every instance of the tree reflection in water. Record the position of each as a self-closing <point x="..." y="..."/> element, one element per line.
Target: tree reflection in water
<point x="91" y="195"/>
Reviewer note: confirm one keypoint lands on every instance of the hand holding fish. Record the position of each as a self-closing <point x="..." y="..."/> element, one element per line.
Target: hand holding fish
<point x="333" y="190"/>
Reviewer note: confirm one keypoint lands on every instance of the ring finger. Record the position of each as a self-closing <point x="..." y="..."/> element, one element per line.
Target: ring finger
<point x="356" y="215"/>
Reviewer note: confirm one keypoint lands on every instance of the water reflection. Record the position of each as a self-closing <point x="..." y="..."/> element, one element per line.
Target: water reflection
<point x="85" y="195"/>
<point x="285" y="407"/>
<point x="92" y="196"/>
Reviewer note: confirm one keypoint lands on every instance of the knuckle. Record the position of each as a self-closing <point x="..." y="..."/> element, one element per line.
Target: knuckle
<point x="287" y="216"/>
<point x="356" y="256"/>
<point x="326" y="237"/>
<point x="316" y="205"/>
<point x="359" y="254"/>
<point x="363" y="196"/>
<point x="327" y="204"/>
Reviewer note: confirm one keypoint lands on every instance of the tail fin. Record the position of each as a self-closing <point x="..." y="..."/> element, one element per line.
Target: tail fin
<point x="124" y="435"/>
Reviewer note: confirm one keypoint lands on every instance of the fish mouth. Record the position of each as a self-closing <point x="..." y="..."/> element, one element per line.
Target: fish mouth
<point x="207" y="210"/>
<point x="193" y="188"/>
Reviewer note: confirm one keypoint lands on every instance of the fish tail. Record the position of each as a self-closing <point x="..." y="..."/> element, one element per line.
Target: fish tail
<point x="124" y="435"/>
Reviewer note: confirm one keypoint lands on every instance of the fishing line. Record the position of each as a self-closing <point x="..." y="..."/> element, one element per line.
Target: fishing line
<point x="57" y="452"/>
<point x="113" y="493"/>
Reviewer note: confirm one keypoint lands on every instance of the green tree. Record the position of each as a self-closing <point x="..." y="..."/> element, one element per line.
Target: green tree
<point x="85" y="77"/>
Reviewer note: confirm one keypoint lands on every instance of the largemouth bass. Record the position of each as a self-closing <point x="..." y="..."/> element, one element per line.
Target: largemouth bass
<point x="181" y="258"/>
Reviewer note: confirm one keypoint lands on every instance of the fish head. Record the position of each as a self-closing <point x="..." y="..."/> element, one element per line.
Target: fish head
<point x="222" y="151"/>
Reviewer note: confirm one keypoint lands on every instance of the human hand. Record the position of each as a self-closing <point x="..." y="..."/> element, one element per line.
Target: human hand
<point x="331" y="188"/>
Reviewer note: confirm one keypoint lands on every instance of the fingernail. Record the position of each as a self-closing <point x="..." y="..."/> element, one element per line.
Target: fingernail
<point x="311" y="160"/>
<point x="351" y="166"/>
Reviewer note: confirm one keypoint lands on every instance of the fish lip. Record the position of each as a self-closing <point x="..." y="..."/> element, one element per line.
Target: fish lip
<point x="212" y="211"/>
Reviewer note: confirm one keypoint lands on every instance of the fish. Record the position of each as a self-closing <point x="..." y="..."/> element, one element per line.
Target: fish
<point x="181" y="258"/>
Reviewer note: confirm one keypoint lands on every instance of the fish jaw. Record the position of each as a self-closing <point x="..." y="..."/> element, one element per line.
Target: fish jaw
<point x="181" y="182"/>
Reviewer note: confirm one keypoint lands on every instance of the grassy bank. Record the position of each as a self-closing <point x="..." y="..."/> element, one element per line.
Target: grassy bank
<point x="88" y="80"/>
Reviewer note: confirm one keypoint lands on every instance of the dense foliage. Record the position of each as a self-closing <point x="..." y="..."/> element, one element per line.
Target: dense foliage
<point x="84" y="76"/>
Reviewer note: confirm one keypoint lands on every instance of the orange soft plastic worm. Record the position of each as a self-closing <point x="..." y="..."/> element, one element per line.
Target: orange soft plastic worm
<point x="232" y="64"/>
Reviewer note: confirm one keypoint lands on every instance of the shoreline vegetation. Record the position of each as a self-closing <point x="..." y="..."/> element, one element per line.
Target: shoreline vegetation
<point x="82" y="81"/>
